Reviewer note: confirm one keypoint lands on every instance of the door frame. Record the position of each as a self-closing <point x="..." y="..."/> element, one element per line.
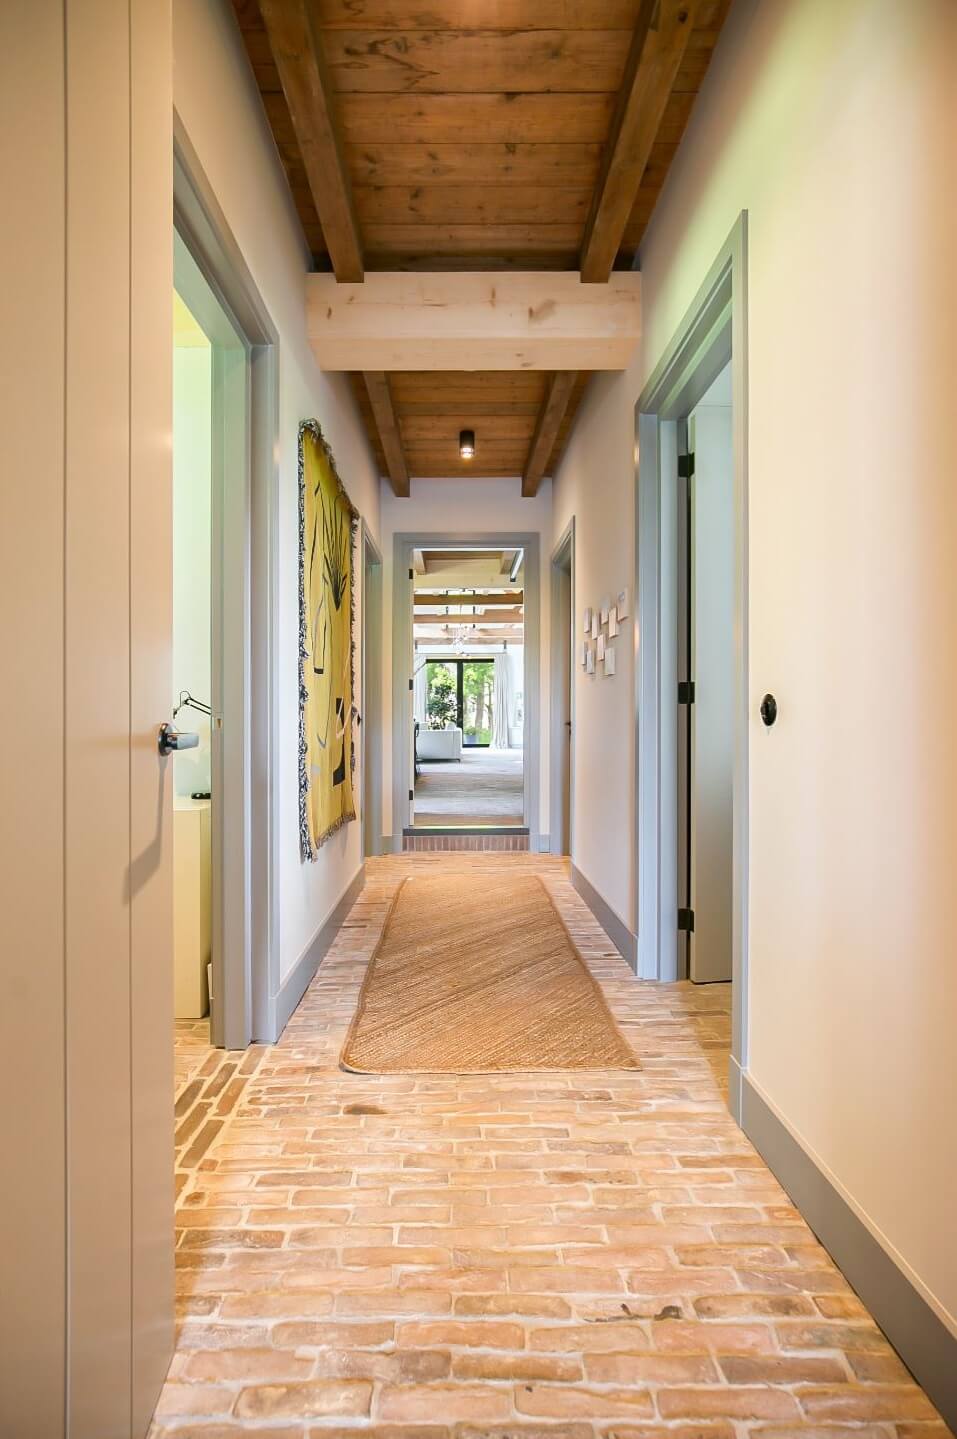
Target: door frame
<point x="562" y="655"/>
<point x="248" y="853"/>
<point x="402" y="665"/>
<point x="370" y="813"/>
<point x="713" y="331"/>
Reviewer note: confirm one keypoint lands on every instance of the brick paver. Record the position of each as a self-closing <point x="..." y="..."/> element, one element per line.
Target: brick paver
<point x="518" y="1256"/>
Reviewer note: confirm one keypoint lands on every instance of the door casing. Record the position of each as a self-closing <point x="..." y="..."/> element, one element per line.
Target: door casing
<point x="564" y="641"/>
<point x="713" y="331"/>
<point x="371" y="713"/>
<point x="245" y="579"/>
<point x="402" y="666"/>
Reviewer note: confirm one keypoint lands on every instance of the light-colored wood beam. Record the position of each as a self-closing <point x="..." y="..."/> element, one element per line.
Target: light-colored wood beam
<point x="380" y="398"/>
<point x="552" y="413"/>
<point x="507" y="598"/>
<point x="496" y="617"/>
<point x="531" y="320"/>
<point x="418" y="562"/>
<point x="296" y="46"/>
<point x="658" y="47"/>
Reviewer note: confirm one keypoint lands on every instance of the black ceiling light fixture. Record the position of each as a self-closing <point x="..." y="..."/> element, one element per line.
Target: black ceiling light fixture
<point x="467" y="444"/>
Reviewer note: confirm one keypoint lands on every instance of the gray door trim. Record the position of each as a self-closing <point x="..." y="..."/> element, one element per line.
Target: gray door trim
<point x="403" y="545"/>
<point x="713" y="331"/>
<point x="249" y="982"/>
<point x="563" y="561"/>
<point x="371" y="728"/>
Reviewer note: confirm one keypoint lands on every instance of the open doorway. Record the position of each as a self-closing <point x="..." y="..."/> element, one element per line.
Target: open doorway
<point x="468" y="697"/>
<point x="209" y="691"/>
<point x="705" y="692"/>
<point x="224" y="601"/>
<point x="691" y="584"/>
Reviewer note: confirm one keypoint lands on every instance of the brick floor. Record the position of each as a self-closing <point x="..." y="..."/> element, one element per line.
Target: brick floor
<point x="517" y="1256"/>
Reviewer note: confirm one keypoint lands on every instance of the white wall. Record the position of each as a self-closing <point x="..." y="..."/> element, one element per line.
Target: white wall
<point x="445" y="508"/>
<point x="595" y="486"/>
<point x="834" y="125"/>
<point x="192" y="495"/>
<point x="216" y="98"/>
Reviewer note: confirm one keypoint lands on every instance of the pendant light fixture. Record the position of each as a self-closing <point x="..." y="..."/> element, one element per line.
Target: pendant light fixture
<point x="467" y="444"/>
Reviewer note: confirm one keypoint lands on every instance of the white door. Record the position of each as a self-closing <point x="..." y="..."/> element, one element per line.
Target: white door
<point x="712" y="713"/>
<point x="87" y="1293"/>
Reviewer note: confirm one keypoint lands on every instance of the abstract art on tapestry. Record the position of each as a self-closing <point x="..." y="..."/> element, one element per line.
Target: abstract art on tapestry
<point x="327" y="526"/>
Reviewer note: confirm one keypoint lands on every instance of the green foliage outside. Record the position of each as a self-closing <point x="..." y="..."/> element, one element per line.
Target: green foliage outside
<point x="441" y="707"/>
<point x="477" y="681"/>
<point x="440" y="704"/>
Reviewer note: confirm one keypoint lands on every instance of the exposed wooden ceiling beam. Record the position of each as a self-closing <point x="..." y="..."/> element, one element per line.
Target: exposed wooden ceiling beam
<point x="380" y="398"/>
<point x="467" y="321"/>
<point x="496" y="617"/>
<point x="418" y="560"/>
<point x="658" y="47"/>
<point x="296" y="46"/>
<point x="507" y="598"/>
<point x="546" y="430"/>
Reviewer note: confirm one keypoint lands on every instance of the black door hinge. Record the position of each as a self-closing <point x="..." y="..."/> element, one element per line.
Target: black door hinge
<point x="412" y="574"/>
<point x="686" y="692"/>
<point x="411" y="794"/>
<point x="686" y="921"/>
<point x="411" y="685"/>
<point x="686" y="466"/>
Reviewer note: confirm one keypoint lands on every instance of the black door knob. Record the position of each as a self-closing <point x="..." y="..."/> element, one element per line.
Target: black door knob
<point x="769" y="710"/>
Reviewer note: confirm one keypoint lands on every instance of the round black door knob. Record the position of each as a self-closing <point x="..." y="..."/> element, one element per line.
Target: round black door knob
<point x="769" y="710"/>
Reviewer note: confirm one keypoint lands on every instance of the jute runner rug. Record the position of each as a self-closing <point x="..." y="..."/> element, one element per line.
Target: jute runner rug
<point x="477" y="976"/>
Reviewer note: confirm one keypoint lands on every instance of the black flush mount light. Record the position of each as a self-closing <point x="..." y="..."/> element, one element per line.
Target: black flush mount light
<point x="467" y="444"/>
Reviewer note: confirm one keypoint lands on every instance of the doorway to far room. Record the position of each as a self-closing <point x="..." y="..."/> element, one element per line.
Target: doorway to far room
<point x="468" y="688"/>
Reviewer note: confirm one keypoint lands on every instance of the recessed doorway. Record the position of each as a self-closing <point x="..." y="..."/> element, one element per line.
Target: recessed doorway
<point x="691" y="583"/>
<point x="468" y="688"/>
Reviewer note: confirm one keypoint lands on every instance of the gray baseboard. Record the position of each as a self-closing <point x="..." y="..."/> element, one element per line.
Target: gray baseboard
<point x="921" y="1339"/>
<point x="297" y="981"/>
<point x="391" y="844"/>
<point x="614" y="926"/>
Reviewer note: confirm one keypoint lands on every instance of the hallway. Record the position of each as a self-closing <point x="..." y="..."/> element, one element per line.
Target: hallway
<point x="558" y="1255"/>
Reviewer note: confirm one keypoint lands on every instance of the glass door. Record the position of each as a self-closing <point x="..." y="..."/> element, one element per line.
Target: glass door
<point x="460" y="693"/>
<point x="477" y="681"/>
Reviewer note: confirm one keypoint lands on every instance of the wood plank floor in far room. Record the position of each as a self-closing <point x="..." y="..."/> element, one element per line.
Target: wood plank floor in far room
<point x="561" y="1256"/>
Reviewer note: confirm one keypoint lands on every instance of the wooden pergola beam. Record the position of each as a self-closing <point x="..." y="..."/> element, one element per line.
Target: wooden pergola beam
<point x="497" y="617"/>
<point x="658" y="47"/>
<point x="507" y="599"/>
<point x="297" y="50"/>
<point x="550" y="417"/>
<point x="380" y="398"/>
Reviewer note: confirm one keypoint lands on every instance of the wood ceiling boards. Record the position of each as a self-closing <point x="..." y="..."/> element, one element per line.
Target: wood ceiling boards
<point x="476" y="135"/>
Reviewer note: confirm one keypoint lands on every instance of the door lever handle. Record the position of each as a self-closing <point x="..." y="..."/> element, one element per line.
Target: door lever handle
<point x="171" y="739"/>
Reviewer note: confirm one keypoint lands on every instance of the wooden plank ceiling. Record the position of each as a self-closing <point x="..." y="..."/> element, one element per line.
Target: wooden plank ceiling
<point x="476" y="135"/>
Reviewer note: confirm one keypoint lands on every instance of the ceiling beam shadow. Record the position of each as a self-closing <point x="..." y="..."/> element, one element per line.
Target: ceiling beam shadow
<point x="550" y="417"/>
<point x="297" y="50"/>
<point x="380" y="398"/>
<point x="658" y="47"/>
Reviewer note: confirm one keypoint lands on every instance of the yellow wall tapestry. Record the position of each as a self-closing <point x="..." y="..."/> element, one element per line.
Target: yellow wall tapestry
<point x="327" y="525"/>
